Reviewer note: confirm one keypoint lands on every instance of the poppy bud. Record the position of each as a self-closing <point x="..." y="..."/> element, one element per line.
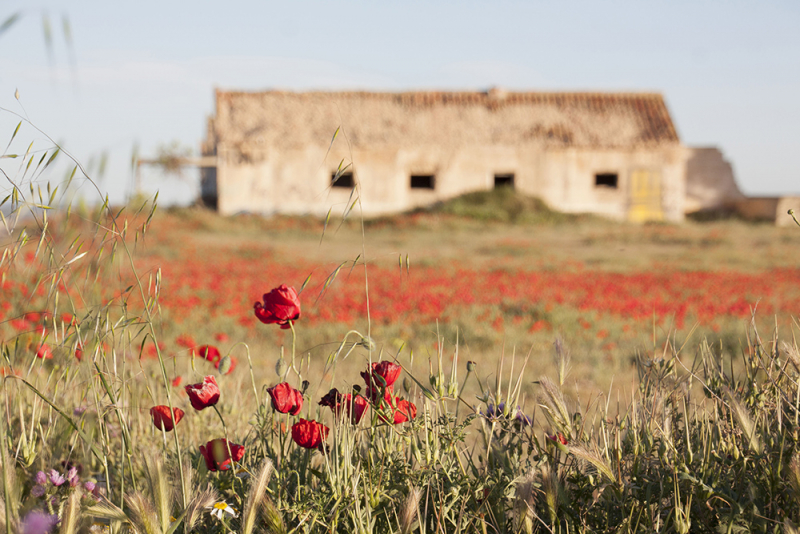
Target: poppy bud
<point x="280" y="367"/>
<point x="225" y="365"/>
<point x="407" y="385"/>
<point x="368" y="343"/>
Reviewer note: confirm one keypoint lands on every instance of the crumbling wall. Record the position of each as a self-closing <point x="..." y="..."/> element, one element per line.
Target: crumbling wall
<point x="710" y="184"/>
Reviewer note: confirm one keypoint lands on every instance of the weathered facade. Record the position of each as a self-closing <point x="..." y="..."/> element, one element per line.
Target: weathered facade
<point x="615" y="154"/>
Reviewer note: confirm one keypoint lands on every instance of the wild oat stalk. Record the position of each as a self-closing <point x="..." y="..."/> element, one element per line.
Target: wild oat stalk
<point x="409" y="510"/>
<point x="594" y="458"/>
<point x="255" y="496"/>
<point x="552" y="400"/>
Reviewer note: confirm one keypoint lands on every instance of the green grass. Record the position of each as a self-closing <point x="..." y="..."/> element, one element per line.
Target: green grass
<point x="671" y="430"/>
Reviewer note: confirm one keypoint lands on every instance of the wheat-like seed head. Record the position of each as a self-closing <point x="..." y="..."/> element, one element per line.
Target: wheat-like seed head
<point x="553" y="401"/>
<point x="409" y="510"/>
<point x="743" y="419"/>
<point x="255" y="495"/>
<point x="594" y="458"/>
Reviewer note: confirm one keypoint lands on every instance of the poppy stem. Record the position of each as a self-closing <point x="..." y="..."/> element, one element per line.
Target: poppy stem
<point x="224" y="427"/>
<point x="294" y="345"/>
<point x="458" y="394"/>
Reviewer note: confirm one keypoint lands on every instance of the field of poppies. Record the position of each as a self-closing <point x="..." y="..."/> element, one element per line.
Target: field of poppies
<point x="180" y="372"/>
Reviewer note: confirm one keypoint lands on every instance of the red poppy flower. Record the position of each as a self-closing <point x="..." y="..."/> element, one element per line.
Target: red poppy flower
<point x="387" y="371"/>
<point x="406" y="411"/>
<point x="373" y="394"/>
<point x="217" y="456"/>
<point x="162" y="419"/>
<point x="177" y="381"/>
<point x="280" y="306"/>
<point x="338" y="403"/>
<point x="403" y="411"/>
<point x="79" y="354"/>
<point x="286" y="399"/>
<point x="309" y="434"/>
<point x="558" y="437"/>
<point x="204" y="394"/>
<point x="19" y="324"/>
<point x="44" y="352"/>
<point x="185" y="340"/>
<point x="209" y="353"/>
<point x="222" y="337"/>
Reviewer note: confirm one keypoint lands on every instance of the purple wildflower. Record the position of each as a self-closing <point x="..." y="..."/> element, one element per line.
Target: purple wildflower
<point x="56" y="478"/>
<point x="72" y="476"/>
<point x="41" y="478"/>
<point x="38" y="490"/>
<point x="493" y="413"/>
<point x="523" y="419"/>
<point x="37" y="522"/>
<point x="92" y="489"/>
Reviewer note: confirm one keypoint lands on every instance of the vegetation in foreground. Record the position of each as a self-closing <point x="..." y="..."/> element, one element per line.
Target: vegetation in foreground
<point x="101" y="434"/>
<point x="117" y="419"/>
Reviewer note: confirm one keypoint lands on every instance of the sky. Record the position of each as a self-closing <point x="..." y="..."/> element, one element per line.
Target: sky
<point x="143" y="74"/>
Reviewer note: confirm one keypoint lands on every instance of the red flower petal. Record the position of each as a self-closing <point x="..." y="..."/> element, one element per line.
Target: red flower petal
<point x="161" y="417"/>
<point x="204" y="394"/>
<point x="279" y="306"/>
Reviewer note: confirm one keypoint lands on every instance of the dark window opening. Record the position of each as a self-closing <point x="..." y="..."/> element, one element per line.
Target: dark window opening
<point x="345" y="179"/>
<point x="503" y="180"/>
<point x="422" y="181"/>
<point x="609" y="180"/>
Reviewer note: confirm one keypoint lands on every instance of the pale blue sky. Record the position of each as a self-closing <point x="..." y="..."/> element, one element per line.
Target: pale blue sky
<point x="145" y="71"/>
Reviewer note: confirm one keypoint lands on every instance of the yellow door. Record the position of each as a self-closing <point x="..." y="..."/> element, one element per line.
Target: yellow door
<point x="645" y="197"/>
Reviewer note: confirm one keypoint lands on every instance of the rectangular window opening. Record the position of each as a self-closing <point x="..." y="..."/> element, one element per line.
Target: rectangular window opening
<point x="345" y="180"/>
<point x="422" y="181"/>
<point x="503" y="180"/>
<point x="607" y="179"/>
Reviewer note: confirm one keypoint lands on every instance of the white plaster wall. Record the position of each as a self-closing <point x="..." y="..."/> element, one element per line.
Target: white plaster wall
<point x="567" y="179"/>
<point x="297" y="181"/>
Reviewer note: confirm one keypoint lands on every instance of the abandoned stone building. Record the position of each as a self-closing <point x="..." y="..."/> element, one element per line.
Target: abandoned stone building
<point x="614" y="154"/>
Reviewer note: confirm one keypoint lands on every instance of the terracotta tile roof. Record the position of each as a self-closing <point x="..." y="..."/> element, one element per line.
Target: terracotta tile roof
<point x="598" y="120"/>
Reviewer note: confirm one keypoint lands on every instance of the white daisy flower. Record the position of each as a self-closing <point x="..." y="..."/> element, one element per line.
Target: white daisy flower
<point x="222" y="508"/>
